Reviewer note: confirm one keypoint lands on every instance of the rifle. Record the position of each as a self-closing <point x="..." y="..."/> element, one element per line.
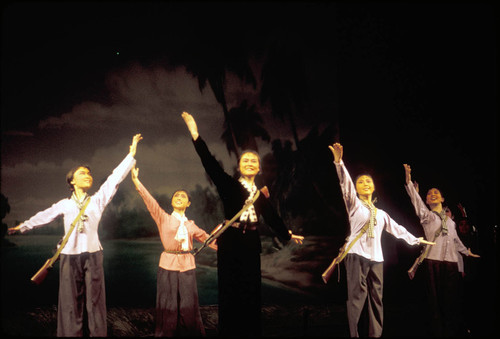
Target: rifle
<point x="418" y="261"/>
<point x="328" y="272"/>
<point x="422" y="256"/>
<point x="40" y="276"/>
<point x="219" y="229"/>
<point x="342" y="253"/>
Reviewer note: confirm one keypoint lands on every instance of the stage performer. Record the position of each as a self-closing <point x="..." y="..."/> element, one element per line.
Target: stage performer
<point x="441" y="263"/>
<point x="81" y="273"/>
<point x="177" y="306"/>
<point x="364" y="262"/>
<point x="239" y="247"/>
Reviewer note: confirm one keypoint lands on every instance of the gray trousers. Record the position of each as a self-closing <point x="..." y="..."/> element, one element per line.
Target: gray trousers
<point x="81" y="284"/>
<point x="177" y="306"/>
<point x="364" y="282"/>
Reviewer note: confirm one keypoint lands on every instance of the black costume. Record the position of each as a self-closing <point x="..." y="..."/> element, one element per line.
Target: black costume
<point x="238" y="255"/>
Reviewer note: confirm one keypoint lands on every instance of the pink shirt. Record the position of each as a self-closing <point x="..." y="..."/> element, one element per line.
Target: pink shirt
<point x="88" y="239"/>
<point x="167" y="226"/>
<point x="369" y="248"/>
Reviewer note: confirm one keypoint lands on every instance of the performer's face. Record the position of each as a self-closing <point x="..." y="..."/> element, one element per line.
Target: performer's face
<point x="249" y="165"/>
<point x="463" y="226"/>
<point x="82" y="179"/>
<point x="365" y="185"/>
<point x="434" y="197"/>
<point x="180" y="200"/>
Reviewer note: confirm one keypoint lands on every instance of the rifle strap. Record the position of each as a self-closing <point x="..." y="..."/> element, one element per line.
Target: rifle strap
<point x="214" y="235"/>
<point x="343" y="250"/>
<point x="427" y="247"/>
<point x="237" y="215"/>
<point x="66" y="237"/>
<point x="342" y="255"/>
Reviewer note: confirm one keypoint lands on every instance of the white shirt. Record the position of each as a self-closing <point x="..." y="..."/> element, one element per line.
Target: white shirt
<point x="369" y="248"/>
<point x="88" y="239"/>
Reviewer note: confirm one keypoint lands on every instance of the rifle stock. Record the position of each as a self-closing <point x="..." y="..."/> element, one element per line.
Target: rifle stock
<point x="418" y="261"/>
<point x="413" y="269"/>
<point x="328" y="272"/>
<point x="212" y="237"/>
<point x="40" y="276"/>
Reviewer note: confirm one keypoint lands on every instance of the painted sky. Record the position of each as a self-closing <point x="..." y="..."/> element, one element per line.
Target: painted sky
<point x="408" y="83"/>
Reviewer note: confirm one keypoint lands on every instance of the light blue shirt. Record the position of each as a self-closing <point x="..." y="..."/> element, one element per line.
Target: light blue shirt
<point x="88" y="239"/>
<point x="447" y="245"/>
<point x="359" y="214"/>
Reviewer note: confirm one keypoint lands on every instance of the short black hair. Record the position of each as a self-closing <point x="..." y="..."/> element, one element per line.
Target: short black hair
<point x="254" y="153"/>
<point x="71" y="174"/>
<point x="181" y="190"/>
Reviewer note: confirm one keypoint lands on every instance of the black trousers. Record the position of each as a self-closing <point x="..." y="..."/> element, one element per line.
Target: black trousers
<point x="177" y="305"/>
<point x="442" y="286"/>
<point x="81" y="284"/>
<point x="239" y="282"/>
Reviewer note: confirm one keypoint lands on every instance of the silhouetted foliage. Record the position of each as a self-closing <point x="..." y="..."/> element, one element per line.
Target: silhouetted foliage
<point x="292" y="178"/>
<point x="246" y="123"/>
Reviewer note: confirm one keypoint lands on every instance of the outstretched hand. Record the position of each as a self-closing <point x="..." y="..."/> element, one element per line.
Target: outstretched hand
<point x="14" y="230"/>
<point x="338" y="151"/>
<point x="298" y="239"/>
<point x="473" y="255"/>
<point x="191" y="124"/>
<point x="135" y="141"/>
<point x="407" y="173"/>
<point x="425" y="242"/>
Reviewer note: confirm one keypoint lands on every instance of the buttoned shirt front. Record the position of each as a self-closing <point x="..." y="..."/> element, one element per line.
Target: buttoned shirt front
<point x="447" y="245"/>
<point x="88" y="239"/>
<point x="359" y="214"/>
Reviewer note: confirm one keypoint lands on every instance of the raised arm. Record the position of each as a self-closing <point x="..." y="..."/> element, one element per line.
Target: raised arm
<point x="157" y="213"/>
<point x="191" y="125"/>
<point x="135" y="177"/>
<point x="347" y="186"/>
<point x="408" y="176"/>
<point x="407" y="173"/>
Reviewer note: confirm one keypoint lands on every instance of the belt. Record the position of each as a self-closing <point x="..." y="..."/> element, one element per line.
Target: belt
<point x="177" y="252"/>
<point x="244" y="226"/>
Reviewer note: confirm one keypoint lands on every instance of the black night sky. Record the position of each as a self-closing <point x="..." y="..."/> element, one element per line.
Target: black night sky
<point x="406" y="83"/>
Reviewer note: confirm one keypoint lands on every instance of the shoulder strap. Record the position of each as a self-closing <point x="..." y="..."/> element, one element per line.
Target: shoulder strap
<point x="66" y="237"/>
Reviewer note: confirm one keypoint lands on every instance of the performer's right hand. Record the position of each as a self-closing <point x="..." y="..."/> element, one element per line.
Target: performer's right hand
<point x="13" y="230"/>
<point x="407" y="173"/>
<point x="337" y="151"/>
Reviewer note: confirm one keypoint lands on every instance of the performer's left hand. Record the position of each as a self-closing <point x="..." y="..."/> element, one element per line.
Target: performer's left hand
<point x="473" y="255"/>
<point x="298" y="239"/>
